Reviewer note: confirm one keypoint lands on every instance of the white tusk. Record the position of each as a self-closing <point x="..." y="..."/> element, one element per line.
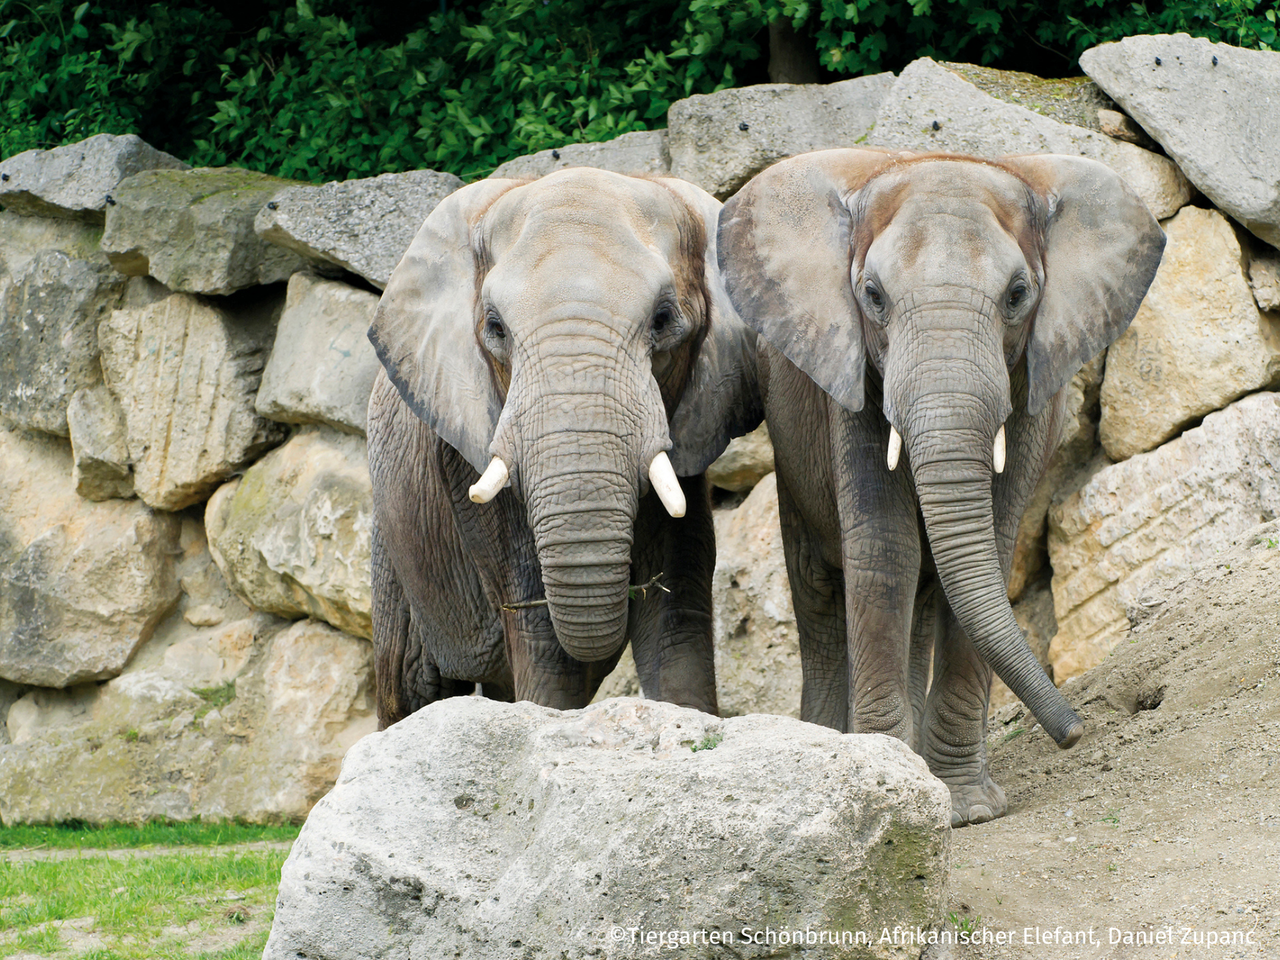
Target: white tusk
<point x="895" y="448"/>
<point x="997" y="452"/>
<point x="491" y="481"/>
<point x="662" y="477"/>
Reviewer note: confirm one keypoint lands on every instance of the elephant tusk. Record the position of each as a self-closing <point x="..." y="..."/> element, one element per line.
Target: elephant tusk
<point x="662" y="476"/>
<point x="895" y="447"/>
<point x="997" y="452"/>
<point x="491" y="481"/>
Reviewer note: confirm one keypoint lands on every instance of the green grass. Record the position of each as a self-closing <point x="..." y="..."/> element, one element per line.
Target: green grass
<point x="196" y="902"/>
<point x="194" y="833"/>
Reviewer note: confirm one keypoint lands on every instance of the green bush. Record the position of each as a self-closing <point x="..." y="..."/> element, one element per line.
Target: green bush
<point x="331" y="89"/>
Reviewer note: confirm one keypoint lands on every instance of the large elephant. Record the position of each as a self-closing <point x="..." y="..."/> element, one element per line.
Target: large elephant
<point x="544" y="345"/>
<point x="935" y="305"/>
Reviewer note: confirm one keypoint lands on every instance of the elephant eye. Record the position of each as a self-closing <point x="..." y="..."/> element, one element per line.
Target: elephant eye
<point x="1018" y="294"/>
<point x="493" y="328"/>
<point x="662" y="319"/>
<point x="874" y="295"/>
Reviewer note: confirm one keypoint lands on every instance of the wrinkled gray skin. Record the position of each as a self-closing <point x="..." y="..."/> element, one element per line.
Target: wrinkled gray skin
<point x="945" y="297"/>
<point x="573" y="326"/>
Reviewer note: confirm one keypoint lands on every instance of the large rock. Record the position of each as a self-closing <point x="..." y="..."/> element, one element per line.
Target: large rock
<point x="639" y="152"/>
<point x="1264" y="279"/>
<point x="322" y="366"/>
<point x="721" y="140"/>
<point x="363" y="226"/>
<point x="82" y="584"/>
<point x="55" y="287"/>
<point x="1197" y="343"/>
<point x="99" y="445"/>
<point x="247" y="720"/>
<point x="186" y="371"/>
<point x="1137" y="527"/>
<point x="482" y="829"/>
<point x="193" y="230"/>
<point x="75" y="181"/>
<point x="931" y="107"/>
<point x="744" y="462"/>
<point x="1214" y="108"/>
<point x="292" y="536"/>
<point x="1077" y="101"/>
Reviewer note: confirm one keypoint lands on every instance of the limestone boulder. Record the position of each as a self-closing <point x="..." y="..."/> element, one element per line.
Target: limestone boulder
<point x="1214" y="108"/>
<point x="249" y="720"/>
<point x="293" y="535"/>
<point x="76" y="181"/>
<point x="744" y="462"/>
<point x="322" y="365"/>
<point x="1264" y="279"/>
<point x="186" y="371"/>
<point x="1134" y="529"/>
<point x="721" y="140"/>
<point x="931" y="107"/>
<point x="483" y="829"/>
<point x="1197" y="343"/>
<point x="82" y="584"/>
<point x="55" y="288"/>
<point x="363" y="226"/>
<point x="642" y="152"/>
<point x="99" y="445"/>
<point x="193" y="230"/>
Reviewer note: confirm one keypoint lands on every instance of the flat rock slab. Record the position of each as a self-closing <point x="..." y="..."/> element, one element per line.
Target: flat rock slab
<point x="193" y="230"/>
<point x="322" y="366"/>
<point x="364" y="226"/>
<point x="477" y="829"/>
<point x="1214" y="108"/>
<point x="721" y="140"/>
<point x="639" y="152"/>
<point x="744" y="462"/>
<point x="932" y="107"/>
<point x="1135" y="529"/>
<point x="74" y="181"/>
<point x="82" y="584"/>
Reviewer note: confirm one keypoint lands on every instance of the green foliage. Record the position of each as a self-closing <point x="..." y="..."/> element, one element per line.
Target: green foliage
<point x="198" y="833"/>
<point x="709" y="741"/>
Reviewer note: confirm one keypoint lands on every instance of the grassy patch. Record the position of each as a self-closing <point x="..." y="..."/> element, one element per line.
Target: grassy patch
<point x="194" y="833"/>
<point x="215" y="698"/>
<point x="188" y="903"/>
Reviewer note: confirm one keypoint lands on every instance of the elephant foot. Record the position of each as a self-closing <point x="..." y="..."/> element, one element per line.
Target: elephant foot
<point x="976" y="803"/>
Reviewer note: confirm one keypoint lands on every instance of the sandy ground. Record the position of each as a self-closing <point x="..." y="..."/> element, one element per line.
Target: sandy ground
<point x="1158" y="835"/>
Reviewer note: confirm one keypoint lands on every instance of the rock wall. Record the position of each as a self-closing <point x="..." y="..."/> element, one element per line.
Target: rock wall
<point x="184" y="515"/>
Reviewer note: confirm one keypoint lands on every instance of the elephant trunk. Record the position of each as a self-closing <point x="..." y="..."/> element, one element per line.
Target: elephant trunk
<point x="953" y="472"/>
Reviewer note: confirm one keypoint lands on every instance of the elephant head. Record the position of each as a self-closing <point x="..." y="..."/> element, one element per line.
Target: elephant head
<point x="571" y="338"/>
<point x="945" y="273"/>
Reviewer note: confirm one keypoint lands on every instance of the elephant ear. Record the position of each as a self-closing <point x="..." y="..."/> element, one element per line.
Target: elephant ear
<point x="1102" y="247"/>
<point x="424" y="327"/>
<point x="786" y="253"/>
<point x="722" y="398"/>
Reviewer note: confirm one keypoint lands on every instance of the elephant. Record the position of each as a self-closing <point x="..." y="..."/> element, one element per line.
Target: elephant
<point x="560" y="364"/>
<point x="936" y="305"/>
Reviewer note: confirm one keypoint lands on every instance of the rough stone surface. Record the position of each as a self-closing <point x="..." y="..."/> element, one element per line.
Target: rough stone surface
<point x="1214" y="108"/>
<point x="931" y="107"/>
<point x="1073" y="100"/>
<point x="642" y="151"/>
<point x="55" y="287"/>
<point x="247" y="720"/>
<point x="721" y="140"/>
<point x="186" y="371"/>
<point x="73" y="181"/>
<point x="363" y="226"/>
<point x="744" y="462"/>
<point x="1197" y="343"/>
<point x="1120" y="126"/>
<point x="292" y="536"/>
<point x="1135" y="528"/>
<point x="481" y="829"/>
<point x="99" y="445"/>
<point x="322" y="366"/>
<point x="193" y="230"/>
<point x="82" y="584"/>
<point x="1264" y="279"/>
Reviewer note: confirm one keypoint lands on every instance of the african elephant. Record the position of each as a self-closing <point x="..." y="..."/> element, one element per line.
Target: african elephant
<point x="935" y="305"/>
<point x="544" y="345"/>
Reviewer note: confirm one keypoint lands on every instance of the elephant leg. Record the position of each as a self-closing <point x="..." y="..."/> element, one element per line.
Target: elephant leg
<point x="817" y="596"/>
<point x="925" y="629"/>
<point x="391" y="619"/>
<point x="671" y="633"/>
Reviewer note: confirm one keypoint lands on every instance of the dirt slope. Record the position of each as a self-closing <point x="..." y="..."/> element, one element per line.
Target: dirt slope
<point x="1164" y="821"/>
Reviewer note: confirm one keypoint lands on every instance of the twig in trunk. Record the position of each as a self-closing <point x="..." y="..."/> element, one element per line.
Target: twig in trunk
<point x="641" y="589"/>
